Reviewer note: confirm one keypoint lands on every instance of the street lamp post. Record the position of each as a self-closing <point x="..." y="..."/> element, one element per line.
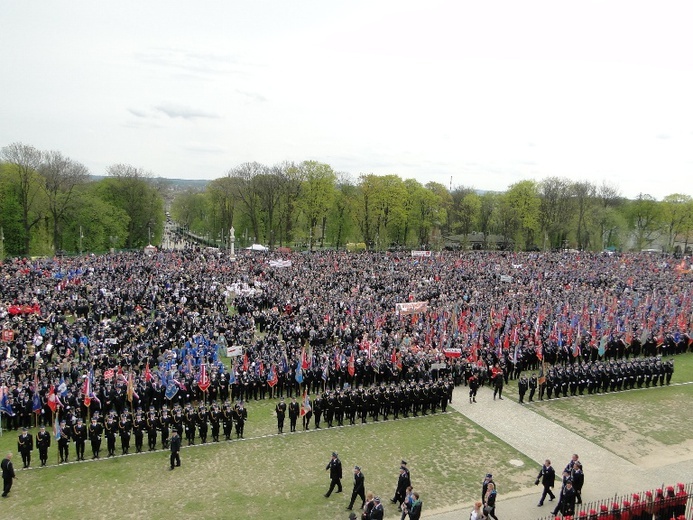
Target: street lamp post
<point x="232" y="236"/>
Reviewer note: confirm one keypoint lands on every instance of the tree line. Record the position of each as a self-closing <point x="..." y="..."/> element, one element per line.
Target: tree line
<point x="308" y="204"/>
<point x="49" y="203"/>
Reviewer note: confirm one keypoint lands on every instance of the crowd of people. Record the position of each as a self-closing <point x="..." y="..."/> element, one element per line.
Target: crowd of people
<point x="139" y="342"/>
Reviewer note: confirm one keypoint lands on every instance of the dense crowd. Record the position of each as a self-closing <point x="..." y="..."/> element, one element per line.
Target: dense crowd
<point x="108" y="335"/>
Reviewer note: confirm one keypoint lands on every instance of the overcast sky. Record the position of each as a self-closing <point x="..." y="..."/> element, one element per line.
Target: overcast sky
<point x="482" y="93"/>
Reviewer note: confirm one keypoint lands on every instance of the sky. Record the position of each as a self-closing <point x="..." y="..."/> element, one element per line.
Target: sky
<point x="463" y="93"/>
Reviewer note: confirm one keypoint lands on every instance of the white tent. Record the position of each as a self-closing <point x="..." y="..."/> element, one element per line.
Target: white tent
<point x="257" y="247"/>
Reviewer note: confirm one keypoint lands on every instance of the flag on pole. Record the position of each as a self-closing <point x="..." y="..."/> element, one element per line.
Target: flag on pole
<point x="52" y="399"/>
<point x="86" y="391"/>
<point x="305" y="404"/>
<point x="147" y="373"/>
<point x="203" y="383"/>
<point x="5" y="405"/>
<point x="351" y="368"/>
<point x="272" y="377"/>
<point x="56" y="429"/>
<point x="130" y="387"/>
<point x="299" y="373"/>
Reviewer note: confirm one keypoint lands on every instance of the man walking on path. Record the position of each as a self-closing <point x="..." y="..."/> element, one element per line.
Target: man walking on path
<point x="335" y="467"/>
<point x="175" y="449"/>
<point x="359" y="488"/>
<point x="7" y="474"/>
<point x="547" y="475"/>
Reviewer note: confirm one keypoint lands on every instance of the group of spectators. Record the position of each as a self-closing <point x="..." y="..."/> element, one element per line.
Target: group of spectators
<point x="128" y="330"/>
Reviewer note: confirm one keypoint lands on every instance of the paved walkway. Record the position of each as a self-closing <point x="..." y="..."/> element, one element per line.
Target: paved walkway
<point x="606" y="474"/>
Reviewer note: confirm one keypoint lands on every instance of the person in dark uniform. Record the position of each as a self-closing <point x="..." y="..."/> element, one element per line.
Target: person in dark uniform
<point x="488" y="479"/>
<point x="79" y="434"/>
<point x="190" y="424"/>
<point x="163" y="426"/>
<point x="567" y="500"/>
<point x="152" y="424"/>
<point x="175" y="450"/>
<point x="318" y="404"/>
<point x="294" y="410"/>
<point x="8" y="474"/>
<point x="43" y="442"/>
<point x="280" y="410"/>
<point x="335" y="469"/>
<point x="522" y="386"/>
<point x="138" y="427"/>
<point x="547" y="476"/>
<point x="64" y="442"/>
<point x="240" y="417"/>
<point x="532" y="387"/>
<point x="125" y="430"/>
<point x="307" y="410"/>
<point x="403" y="482"/>
<point x="202" y="424"/>
<point x="215" y="421"/>
<point x="378" y="512"/>
<point x="95" y="431"/>
<point x="473" y="388"/>
<point x="227" y="420"/>
<point x="359" y="488"/>
<point x="25" y="445"/>
<point x="111" y="432"/>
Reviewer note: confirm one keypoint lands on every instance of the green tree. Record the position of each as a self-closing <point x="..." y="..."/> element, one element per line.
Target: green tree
<point x="129" y="189"/>
<point x="644" y="214"/>
<point x="677" y="217"/>
<point x="317" y="195"/>
<point x="555" y="211"/>
<point x="24" y="161"/>
<point x="521" y="212"/>
<point x="62" y="176"/>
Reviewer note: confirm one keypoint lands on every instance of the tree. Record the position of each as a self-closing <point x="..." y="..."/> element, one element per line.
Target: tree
<point x="61" y="176"/>
<point x="341" y="213"/>
<point x="555" y="211"/>
<point x="25" y="161"/>
<point x="523" y="212"/>
<point x="317" y="194"/>
<point x="129" y="189"/>
<point x="608" y="200"/>
<point x="677" y="217"/>
<point x="221" y="195"/>
<point x="583" y="195"/>
<point x="247" y="191"/>
<point x="645" y="218"/>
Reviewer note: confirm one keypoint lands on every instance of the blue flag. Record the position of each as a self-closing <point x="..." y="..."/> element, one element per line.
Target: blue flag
<point x="299" y="373"/>
<point x="171" y="390"/>
<point x="5" y="405"/>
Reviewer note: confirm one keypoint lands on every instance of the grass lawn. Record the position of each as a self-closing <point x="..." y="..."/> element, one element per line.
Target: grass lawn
<point x="649" y="427"/>
<point x="269" y="476"/>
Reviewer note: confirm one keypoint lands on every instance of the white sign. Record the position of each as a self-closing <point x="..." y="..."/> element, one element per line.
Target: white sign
<point x="506" y="278"/>
<point x="411" y="307"/>
<point x="421" y="253"/>
<point x="234" y="351"/>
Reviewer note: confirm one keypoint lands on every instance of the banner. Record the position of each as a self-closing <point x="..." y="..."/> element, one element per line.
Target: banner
<point x="421" y="253"/>
<point x="411" y="307"/>
<point x="234" y="351"/>
<point x="280" y="263"/>
<point x="452" y="352"/>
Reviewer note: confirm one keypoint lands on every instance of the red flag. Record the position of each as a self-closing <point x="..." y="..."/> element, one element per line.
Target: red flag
<point x="86" y="391"/>
<point x="350" y="367"/>
<point x="305" y="404"/>
<point x="108" y="374"/>
<point x="203" y="383"/>
<point x="273" y="376"/>
<point x="304" y="359"/>
<point x="147" y="373"/>
<point x="393" y="357"/>
<point x="245" y="362"/>
<point x="52" y="401"/>
<point x="131" y="387"/>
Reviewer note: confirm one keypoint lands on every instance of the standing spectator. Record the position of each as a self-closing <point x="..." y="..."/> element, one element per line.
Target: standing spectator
<point x="25" y="445"/>
<point x="359" y="488"/>
<point x="547" y="476"/>
<point x="335" y="468"/>
<point x="7" y="474"/>
<point x="294" y="410"/>
<point x="43" y="442"/>
<point x="408" y="501"/>
<point x="491" y="500"/>
<point x="175" y="449"/>
<point x="522" y="386"/>
<point x="567" y="500"/>
<point x="280" y="410"/>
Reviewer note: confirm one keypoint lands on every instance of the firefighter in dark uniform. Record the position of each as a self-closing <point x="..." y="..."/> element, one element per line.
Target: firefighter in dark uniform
<point x="111" y="431"/>
<point x="95" y="432"/>
<point x="215" y="421"/>
<point x="202" y="424"/>
<point x="152" y="423"/>
<point x="64" y="442"/>
<point x="25" y="445"/>
<point x="43" y="442"/>
<point x="227" y="420"/>
<point x="139" y="425"/>
<point x="79" y="434"/>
